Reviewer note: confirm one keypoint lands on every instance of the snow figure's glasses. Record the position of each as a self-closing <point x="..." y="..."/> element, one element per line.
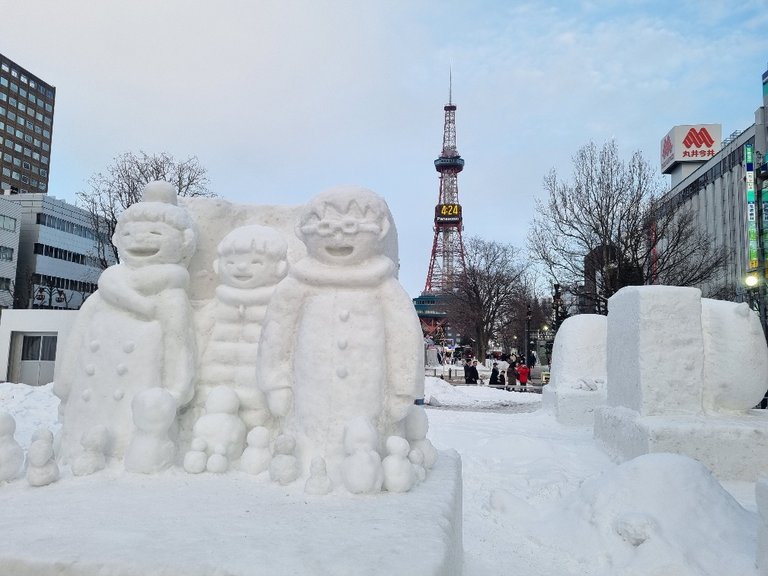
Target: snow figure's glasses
<point x="345" y="226"/>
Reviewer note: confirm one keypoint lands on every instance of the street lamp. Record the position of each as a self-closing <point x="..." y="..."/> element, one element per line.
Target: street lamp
<point x="527" y="333"/>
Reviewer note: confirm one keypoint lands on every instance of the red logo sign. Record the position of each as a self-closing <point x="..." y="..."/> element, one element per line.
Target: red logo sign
<point x="666" y="147"/>
<point x="698" y="138"/>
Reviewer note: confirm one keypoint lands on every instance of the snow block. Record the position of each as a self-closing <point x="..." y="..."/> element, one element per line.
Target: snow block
<point x="655" y="352"/>
<point x="578" y="375"/>
<point x="176" y="524"/>
<point x="733" y="447"/>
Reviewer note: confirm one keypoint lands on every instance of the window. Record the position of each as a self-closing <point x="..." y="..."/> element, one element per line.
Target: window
<point x="3" y="97"/>
<point x="14" y="73"/>
<point x="26" y="165"/>
<point x="15" y="175"/>
<point x="39" y="348"/>
<point x="8" y="223"/>
<point x="6" y="253"/>
<point x="14" y="87"/>
<point x="3" y="82"/>
<point x="5" y="284"/>
<point x="5" y="67"/>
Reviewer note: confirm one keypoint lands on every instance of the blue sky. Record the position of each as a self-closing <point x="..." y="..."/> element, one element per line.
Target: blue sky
<point x="281" y="99"/>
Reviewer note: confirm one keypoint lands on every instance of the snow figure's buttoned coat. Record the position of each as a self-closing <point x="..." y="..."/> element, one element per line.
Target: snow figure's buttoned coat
<point x="348" y="344"/>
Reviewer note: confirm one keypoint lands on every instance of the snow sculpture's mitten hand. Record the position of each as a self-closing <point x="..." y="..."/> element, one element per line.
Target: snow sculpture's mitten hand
<point x="279" y="401"/>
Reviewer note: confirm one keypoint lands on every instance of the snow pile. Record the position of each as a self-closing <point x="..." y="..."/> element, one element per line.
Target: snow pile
<point x="439" y="393"/>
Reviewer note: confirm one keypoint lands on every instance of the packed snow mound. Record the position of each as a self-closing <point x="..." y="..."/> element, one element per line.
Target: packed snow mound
<point x="579" y="354"/>
<point x="656" y="514"/>
<point x="35" y="406"/>
<point x="438" y="392"/>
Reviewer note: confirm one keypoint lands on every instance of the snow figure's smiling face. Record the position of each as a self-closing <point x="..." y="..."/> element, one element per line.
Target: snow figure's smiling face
<point x="143" y="243"/>
<point x="249" y="270"/>
<point x="342" y="239"/>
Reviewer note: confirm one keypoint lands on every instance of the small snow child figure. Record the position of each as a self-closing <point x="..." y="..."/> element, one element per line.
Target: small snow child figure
<point x="11" y="454"/>
<point x="135" y="332"/>
<point x="399" y="474"/>
<point x="41" y="464"/>
<point x="151" y="449"/>
<point x="251" y="261"/>
<point x="318" y="482"/>
<point x="361" y="470"/>
<point x="92" y="457"/>
<point x="257" y="456"/>
<point x="416" y="429"/>
<point x="221" y="429"/>
<point x="341" y="338"/>
<point x="284" y="467"/>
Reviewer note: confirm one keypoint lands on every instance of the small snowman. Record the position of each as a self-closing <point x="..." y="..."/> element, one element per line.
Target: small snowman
<point x="361" y="469"/>
<point x="399" y="474"/>
<point x="41" y="464"/>
<point x="95" y="442"/>
<point x="11" y="454"/>
<point x="256" y="457"/>
<point x="318" y="482"/>
<point x="220" y="429"/>
<point x="284" y="467"/>
<point x="416" y="428"/>
<point x="151" y="449"/>
<point x="417" y="459"/>
<point x="196" y="459"/>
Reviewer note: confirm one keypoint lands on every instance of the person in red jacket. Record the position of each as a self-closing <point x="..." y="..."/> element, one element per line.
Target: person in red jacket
<point x="522" y="374"/>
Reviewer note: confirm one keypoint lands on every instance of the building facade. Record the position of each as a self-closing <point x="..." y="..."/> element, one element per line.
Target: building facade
<point x="10" y="229"/>
<point x="26" y="127"/>
<point x="56" y="265"/>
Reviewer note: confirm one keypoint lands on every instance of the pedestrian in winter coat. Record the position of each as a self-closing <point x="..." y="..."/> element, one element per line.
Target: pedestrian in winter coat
<point x="474" y="376"/>
<point x="512" y="374"/>
<point x="523" y="372"/>
<point x="494" y="374"/>
<point x="467" y="369"/>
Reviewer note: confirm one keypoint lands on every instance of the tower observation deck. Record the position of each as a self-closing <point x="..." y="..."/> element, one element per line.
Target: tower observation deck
<point x="447" y="259"/>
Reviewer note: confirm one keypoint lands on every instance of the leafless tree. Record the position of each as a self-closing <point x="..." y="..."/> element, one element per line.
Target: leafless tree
<point x="479" y="304"/>
<point x="120" y="185"/>
<point x="610" y="227"/>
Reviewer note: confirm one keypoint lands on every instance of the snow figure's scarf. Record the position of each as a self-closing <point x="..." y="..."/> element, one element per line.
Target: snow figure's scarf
<point x="370" y="273"/>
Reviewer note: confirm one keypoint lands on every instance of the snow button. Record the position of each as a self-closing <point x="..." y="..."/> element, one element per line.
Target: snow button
<point x="341" y="372"/>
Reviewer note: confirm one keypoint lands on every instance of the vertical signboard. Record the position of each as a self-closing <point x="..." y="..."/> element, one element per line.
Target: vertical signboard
<point x="749" y="171"/>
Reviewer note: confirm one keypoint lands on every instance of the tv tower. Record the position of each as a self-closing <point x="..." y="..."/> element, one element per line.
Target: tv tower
<point x="447" y="260"/>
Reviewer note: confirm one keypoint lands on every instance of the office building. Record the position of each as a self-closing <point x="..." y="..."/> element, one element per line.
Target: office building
<point x="56" y="265"/>
<point x="26" y="127"/>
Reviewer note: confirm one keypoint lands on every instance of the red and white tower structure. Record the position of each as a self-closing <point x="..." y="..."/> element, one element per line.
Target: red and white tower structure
<point x="447" y="260"/>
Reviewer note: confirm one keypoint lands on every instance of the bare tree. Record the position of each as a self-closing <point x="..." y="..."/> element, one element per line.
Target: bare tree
<point x="112" y="191"/>
<point x="479" y="303"/>
<point x="609" y="228"/>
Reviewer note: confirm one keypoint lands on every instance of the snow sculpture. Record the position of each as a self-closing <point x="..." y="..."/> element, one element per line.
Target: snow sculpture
<point x="151" y="449"/>
<point x="251" y="261"/>
<point x="362" y="472"/>
<point x="399" y="473"/>
<point x="416" y="428"/>
<point x="220" y="431"/>
<point x="135" y="332"/>
<point x="683" y="375"/>
<point x="11" y="454"/>
<point x="41" y="464"/>
<point x="256" y="457"/>
<point x="341" y="338"/>
<point x="578" y="376"/>
<point x="318" y="482"/>
<point x="92" y="457"/>
<point x="284" y="466"/>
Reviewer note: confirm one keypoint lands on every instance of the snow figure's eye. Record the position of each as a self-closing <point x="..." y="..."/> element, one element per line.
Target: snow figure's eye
<point x="324" y="228"/>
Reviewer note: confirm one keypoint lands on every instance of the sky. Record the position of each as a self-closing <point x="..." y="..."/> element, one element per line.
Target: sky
<point x="539" y="498"/>
<point x="282" y="99"/>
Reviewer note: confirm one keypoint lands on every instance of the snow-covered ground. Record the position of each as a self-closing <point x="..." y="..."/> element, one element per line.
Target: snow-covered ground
<point x="541" y="498"/>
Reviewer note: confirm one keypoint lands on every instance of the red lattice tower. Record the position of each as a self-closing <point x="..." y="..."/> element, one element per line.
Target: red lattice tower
<point x="447" y="261"/>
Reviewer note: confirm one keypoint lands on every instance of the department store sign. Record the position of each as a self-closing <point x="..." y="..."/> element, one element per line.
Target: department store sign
<point x="690" y="143"/>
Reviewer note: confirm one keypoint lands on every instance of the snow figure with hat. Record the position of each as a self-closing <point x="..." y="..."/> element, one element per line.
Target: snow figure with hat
<point x="135" y="332"/>
<point x="250" y="261"/>
<point x="341" y="340"/>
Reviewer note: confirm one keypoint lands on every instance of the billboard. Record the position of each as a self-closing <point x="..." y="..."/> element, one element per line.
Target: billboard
<point x="689" y="143"/>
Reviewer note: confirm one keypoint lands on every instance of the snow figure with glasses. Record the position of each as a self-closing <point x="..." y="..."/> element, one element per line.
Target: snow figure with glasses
<point x="341" y="340"/>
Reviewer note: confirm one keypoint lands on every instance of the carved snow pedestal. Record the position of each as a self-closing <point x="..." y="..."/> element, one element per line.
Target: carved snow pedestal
<point x="250" y="364"/>
<point x="683" y="376"/>
<point x="578" y="373"/>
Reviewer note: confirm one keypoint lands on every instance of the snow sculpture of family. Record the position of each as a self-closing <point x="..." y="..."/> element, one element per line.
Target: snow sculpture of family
<point x="303" y="370"/>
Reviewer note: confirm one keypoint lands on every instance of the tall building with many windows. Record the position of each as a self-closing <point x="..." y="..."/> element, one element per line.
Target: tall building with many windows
<point x="26" y="127"/>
